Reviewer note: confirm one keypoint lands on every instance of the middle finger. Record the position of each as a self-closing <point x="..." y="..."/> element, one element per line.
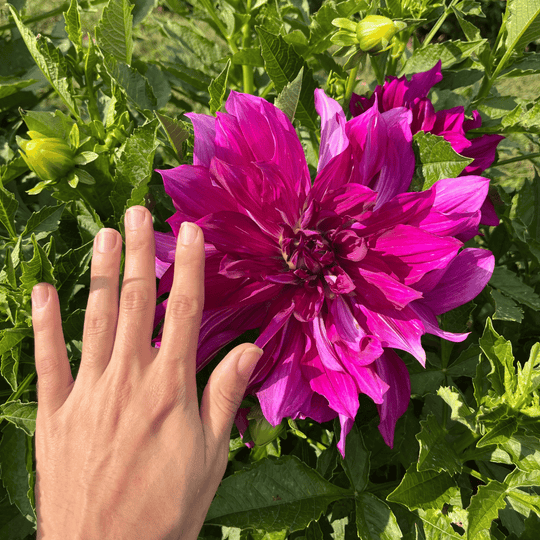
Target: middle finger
<point x="138" y="297"/>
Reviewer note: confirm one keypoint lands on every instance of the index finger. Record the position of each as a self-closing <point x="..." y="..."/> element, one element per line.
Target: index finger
<point x="185" y="304"/>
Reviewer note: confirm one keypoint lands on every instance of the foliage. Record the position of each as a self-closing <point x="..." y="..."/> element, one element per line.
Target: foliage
<point x="120" y="74"/>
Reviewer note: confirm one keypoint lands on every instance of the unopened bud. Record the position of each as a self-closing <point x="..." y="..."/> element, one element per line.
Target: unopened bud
<point x="262" y="432"/>
<point x="374" y="32"/>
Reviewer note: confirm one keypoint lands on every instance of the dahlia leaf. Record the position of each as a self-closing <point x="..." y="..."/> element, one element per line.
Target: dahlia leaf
<point x="73" y="24"/>
<point x="69" y="268"/>
<point x="11" y="85"/>
<point x="22" y="415"/>
<point x="500" y="433"/>
<point x="437" y="526"/>
<point x="176" y="132"/>
<point x="525" y="117"/>
<point x="528" y="64"/>
<point x="435" y="452"/>
<point x="374" y="519"/>
<point x="283" y="64"/>
<point x="273" y="494"/>
<point x="39" y="269"/>
<point x="11" y="337"/>
<point x="288" y="98"/>
<point x="523" y="24"/>
<point x="114" y="31"/>
<point x="14" y="469"/>
<point x="13" y="525"/>
<point x="449" y="52"/>
<point x="511" y="285"/>
<point x="218" y="89"/>
<point x="141" y="9"/>
<point x="44" y="222"/>
<point x="517" y="479"/>
<point x="472" y="33"/>
<point x="356" y="462"/>
<point x="435" y="160"/>
<point x="51" y="63"/>
<point x="524" y="451"/>
<point x="424" y="489"/>
<point x="505" y="308"/>
<point x="8" y="207"/>
<point x="461" y="412"/>
<point x="248" y="57"/>
<point x="484" y="507"/>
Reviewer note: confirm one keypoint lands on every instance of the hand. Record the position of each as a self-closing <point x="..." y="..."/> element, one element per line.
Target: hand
<point x="123" y="452"/>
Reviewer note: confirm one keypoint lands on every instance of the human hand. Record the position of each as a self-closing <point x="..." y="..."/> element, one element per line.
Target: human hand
<point x="123" y="452"/>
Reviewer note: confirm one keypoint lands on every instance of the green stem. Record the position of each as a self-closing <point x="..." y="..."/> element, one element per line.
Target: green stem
<point x="247" y="71"/>
<point x="36" y="18"/>
<point x="22" y="387"/>
<point x="516" y="159"/>
<point x="438" y="24"/>
<point x="351" y="83"/>
<point x="476" y="474"/>
<point x="267" y="90"/>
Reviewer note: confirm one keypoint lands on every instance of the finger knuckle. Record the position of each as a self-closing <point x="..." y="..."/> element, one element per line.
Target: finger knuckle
<point x="181" y="307"/>
<point x="135" y="299"/>
<point x="99" y="324"/>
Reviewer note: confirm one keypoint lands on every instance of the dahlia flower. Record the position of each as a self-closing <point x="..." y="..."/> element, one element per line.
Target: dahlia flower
<point x="448" y="123"/>
<point x="335" y="274"/>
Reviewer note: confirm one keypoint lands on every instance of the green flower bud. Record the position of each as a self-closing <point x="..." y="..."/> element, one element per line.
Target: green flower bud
<point x="49" y="157"/>
<point x="374" y="32"/>
<point x="262" y="432"/>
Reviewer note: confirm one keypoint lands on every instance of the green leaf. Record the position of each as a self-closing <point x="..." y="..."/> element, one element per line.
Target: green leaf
<point x="484" y="507"/>
<point x="500" y="433"/>
<point x="8" y="207"/>
<point x="248" y="57"/>
<point x="532" y="502"/>
<point x="523" y="24"/>
<point x="9" y="367"/>
<point x="134" y="85"/>
<point x="218" y="89"/>
<point x="472" y="33"/>
<point x="461" y="412"/>
<point x="142" y="9"/>
<point x="12" y="85"/>
<point x="49" y="124"/>
<point x="51" y="63"/>
<point x="435" y="452"/>
<point x="10" y="337"/>
<point x="525" y="117"/>
<point x="13" y="526"/>
<point x="528" y="377"/>
<point x="69" y="269"/>
<point x="134" y="168"/>
<point x="73" y="24"/>
<point x="176" y="132"/>
<point x="287" y="101"/>
<point x="283" y="64"/>
<point x="13" y="469"/>
<point x="424" y="489"/>
<point x="449" y="52"/>
<point x="437" y="526"/>
<point x="22" y="415"/>
<point x="435" y="160"/>
<point x="517" y="479"/>
<point x="511" y="285"/>
<point x="505" y="308"/>
<point x="114" y="30"/>
<point x="273" y="494"/>
<point x="374" y="519"/>
<point x="465" y="364"/>
<point x="524" y="451"/>
<point x="44" y="222"/>
<point x="356" y="462"/>
<point x="38" y="270"/>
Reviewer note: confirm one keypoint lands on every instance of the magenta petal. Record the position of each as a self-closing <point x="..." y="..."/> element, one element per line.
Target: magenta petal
<point x="483" y="149"/>
<point x="346" y="423"/>
<point x="464" y="279"/>
<point x="393" y="372"/>
<point x="431" y="324"/>
<point x="204" y="127"/>
<point x="460" y="195"/>
<point x="395" y="292"/>
<point x="333" y="137"/>
<point x="165" y="246"/>
<point x="421" y="83"/>
<point x="489" y="216"/>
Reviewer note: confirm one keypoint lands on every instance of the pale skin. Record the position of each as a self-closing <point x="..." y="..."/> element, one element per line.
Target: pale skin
<point x="125" y="451"/>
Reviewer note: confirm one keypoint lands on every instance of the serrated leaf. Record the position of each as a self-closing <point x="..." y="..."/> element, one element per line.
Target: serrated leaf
<point x="356" y="462"/>
<point x="8" y="207"/>
<point x="114" y="31"/>
<point x="38" y="270"/>
<point x="12" y="85"/>
<point x="424" y="489"/>
<point x="511" y="285"/>
<point x="435" y="160"/>
<point x="10" y="366"/>
<point x="218" y="89"/>
<point x="461" y="412"/>
<point x="134" y="85"/>
<point x="524" y="451"/>
<point x="283" y="64"/>
<point x="287" y="101"/>
<point x="374" y="519"/>
<point x="273" y="494"/>
<point x="517" y="479"/>
<point x="484" y="507"/>
<point x="500" y="433"/>
<point x="523" y="24"/>
<point x="134" y="168"/>
<point x="248" y="57"/>
<point x="10" y="337"/>
<point x="13" y="526"/>
<point x="13" y="469"/>
<point x="44" y="222"/>
<point x="176" y="132"/>
<point x="69" y="269"/>
<point x="73" y="24"/>
<point x="49" y="124"/>
<point x="142" y="9"/>
<point x="21" y="414"/>
<point x="435" y="452"/>
<point x="8" y="272"/>
<point x="51" y="63"/>
<point x="472" y="33"/>
<point x="437" y="526"/>
<point x="518" y="497"/>
<point x="449" y="52"/>
<point x="465" y="364"/>
<point x="505" y="308"/>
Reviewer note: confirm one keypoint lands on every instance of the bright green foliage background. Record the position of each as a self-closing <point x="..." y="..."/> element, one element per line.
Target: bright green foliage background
<point x="119" y="75"/>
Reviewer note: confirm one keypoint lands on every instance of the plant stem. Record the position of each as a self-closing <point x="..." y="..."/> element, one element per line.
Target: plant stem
<point x="247" y="71"/>
<point x="22" y="387"/>
<point x="476" y="474"/>
<point x="438" y="24"/>
<point x="267" y="90"/>
<point x="37" y="18"/>
<point x="351" y="83"/>
<point x="516" y="159"/>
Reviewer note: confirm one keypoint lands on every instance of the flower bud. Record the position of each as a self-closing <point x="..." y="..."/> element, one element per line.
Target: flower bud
<point x="374" y="32"/>
<point x="262" y="432"/>
<point x="49" y="157"/>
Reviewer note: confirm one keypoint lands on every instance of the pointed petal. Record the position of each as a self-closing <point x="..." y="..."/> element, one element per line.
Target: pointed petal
<point x="431" y="324"/>
<point x="204" y="127"/>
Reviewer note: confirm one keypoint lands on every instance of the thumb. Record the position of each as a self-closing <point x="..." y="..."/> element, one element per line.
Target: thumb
<point x="224" y="393"/>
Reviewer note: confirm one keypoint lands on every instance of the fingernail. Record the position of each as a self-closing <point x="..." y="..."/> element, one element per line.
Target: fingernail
<point x="106" y="240"/>
<point x="248" y="361"/>
<point x="40" y="295"/>
<point x="188" y="233"/>
<point x="135" y="217"/>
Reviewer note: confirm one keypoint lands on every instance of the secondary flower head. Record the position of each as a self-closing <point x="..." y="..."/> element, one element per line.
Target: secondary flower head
<point x="335" y="275"/>
<point x="448" y="123"/>
<point x="374" y="32"/>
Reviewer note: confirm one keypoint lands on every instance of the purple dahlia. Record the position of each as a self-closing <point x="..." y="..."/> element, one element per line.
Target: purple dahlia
<point x="448" y="123"/>
<point x="335" y="275"/>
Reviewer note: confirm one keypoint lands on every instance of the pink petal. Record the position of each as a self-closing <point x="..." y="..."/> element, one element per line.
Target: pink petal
<point x="204" y="127"/>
